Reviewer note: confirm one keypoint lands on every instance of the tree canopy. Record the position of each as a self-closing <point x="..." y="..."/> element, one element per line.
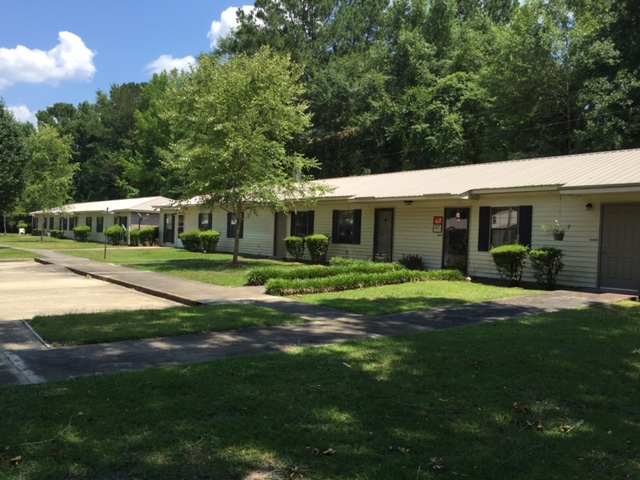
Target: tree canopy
<point x="12" y="163"/>
<point x="395" y="85"/>
<point x="234" y="122"/>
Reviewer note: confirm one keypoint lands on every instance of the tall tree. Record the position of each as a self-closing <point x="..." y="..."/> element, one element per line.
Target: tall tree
<point x="235" y="121"/>
<point x="12" y="163"/>
<point x="49" y="173"/>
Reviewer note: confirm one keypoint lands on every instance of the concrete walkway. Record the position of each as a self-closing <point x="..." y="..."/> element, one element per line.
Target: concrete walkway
<point x="27" y="360"/>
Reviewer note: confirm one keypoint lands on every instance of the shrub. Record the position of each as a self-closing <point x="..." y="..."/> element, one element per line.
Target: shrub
<point x="81" y="234"/>
<point x="36" y="232"/>
<point x="22" y="224"/>
<point x="134" y="237"/>
<point x="209" y="240"/>
<point x="149" y="235"/>
<point x="260" y="275"/>
<point x="350" y="281"/>
<point x="547" y="264"/>
<point x="510" y="261"/>
<point x="412" y="262"/>
<point x="191" y="240"/>
<point x="295" y="247"/>
<point x="56" y="234"/>
<point x="318" y="245"/>
<point x="115" y="234"/>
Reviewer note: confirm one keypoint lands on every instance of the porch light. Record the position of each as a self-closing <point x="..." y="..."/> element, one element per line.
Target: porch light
<point x="408" y="202"/>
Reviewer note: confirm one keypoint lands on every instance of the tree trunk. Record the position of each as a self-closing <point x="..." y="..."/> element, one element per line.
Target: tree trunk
<point x="4" y="222"/>
<point x="236" y="242"/>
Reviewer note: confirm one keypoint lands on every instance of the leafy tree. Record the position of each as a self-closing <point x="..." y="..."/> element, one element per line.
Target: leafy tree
<point x="49" y="172"/>
<point x="12" y="163"/>
<point x="235" y="121"/>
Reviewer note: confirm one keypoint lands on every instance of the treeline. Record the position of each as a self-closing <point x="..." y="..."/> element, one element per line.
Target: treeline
<point x="398" y="85"/>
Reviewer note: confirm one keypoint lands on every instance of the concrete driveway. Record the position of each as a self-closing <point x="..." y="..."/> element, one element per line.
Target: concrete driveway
<point x="28" y="289"/>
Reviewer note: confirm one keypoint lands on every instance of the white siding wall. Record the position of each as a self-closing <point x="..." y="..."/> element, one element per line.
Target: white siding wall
<point x="413" y="233"/>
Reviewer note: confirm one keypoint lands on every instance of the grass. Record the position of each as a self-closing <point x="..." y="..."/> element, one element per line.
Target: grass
<point x="555" y="396"/>
<point x="411" y="296"/>
<point x="215" y="268"/>
<point x="29" y="241"/>
<point x="13" y="254"/>
<point x="78" y="329"/>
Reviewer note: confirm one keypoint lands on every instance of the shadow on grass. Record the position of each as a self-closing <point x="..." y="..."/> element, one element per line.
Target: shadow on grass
<point x="553" y="396"/>
<point x="384" y="306"/>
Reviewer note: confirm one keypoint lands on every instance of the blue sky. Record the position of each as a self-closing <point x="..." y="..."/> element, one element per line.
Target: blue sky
<point x="66" y="50"/>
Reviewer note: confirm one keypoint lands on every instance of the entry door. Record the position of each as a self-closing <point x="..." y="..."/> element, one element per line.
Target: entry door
<point x="620" y="247"/>
<point x="279" y="250"/>
<point x="383" y="235"/>
<point x="455" y="250"/>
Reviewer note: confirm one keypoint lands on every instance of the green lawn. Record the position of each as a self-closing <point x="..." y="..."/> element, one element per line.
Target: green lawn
<point x="29" y="241"/>
<point x="411" y="296"/>
<point x="12" y="254"/>
<point x="213" y="268"/>
<point x="83" y="328"/>
<point x="549" y="397"/>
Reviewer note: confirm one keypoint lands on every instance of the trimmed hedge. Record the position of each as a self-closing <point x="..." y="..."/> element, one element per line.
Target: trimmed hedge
<point x="350" y="281"/>
<point x="36" y="232"/>
<point x="134" y="238"/>
<point x="81" y="234"/>
<point x="510" y="261"/>
<point x="547" y="264"/>
<point x="209" y="240"/>
<point x="260" y="275"/>
<point x="115" y="234"/>
<point x="412" y="262"/>
<point x="295" y="247"/>
<point x="149" y="235"/>
<point x="191" y="240"/>
<point x="56" y="234"/>
<point x="318" y="246"/>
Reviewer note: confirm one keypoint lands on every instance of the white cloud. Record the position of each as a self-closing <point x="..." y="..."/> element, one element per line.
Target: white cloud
<point x="168" y="63"/>
<point x="23" y="114"/>
<point x="226" y="24"/>
<point x="70" y="59"/>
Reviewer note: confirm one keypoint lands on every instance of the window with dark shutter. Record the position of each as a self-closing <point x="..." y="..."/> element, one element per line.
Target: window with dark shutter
<point x="346" y="226"/>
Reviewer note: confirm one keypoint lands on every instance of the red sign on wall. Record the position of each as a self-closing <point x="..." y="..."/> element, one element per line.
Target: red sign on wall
<point x="437" y="224"/>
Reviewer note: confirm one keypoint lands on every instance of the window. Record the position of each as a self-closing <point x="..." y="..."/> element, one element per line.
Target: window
<point x="504" y="226"/>
<point x="205" y="221"/>
<point x="232" y="224"/>
<point x="122" y="221"/>
<point x="34" y="223"/>
<point x="180" y="224"/>
<point x="302" y="223"/>
<point x="44" y="223"/>
<point x="51" y="227"/>
<point x="72" y="223"/>
<point x="99" y="224"/>
<point x="88" y="221"/>
<point x="63" y="223"/>
<point x="346" y="226"/>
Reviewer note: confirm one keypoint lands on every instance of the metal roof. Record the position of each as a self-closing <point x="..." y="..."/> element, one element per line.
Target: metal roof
<point x="614" y="169"/>
<point x="144" y="204"/>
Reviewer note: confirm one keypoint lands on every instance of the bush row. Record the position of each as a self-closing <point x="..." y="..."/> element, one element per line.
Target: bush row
<point x="510" y="261"/>
<point x="318" y="246"/>
<point x="144" y="236"/>
<point x="52" y="233"/>
<point x="198" y="241"/>
<point x="260" y="275"/>
<point x="350" y="281"/>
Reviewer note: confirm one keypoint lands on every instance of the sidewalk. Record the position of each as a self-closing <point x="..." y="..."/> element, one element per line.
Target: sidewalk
<point x="36" y="364"/>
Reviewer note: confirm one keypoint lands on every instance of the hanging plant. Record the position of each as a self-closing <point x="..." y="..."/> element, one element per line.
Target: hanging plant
<point x="556" y="230"/>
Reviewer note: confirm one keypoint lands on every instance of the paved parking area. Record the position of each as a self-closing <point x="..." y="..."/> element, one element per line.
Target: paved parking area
<point x="28" y="289"/>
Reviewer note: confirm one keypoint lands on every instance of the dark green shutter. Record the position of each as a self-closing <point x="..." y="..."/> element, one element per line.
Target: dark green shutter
<point x="335" y="226"/>
<point x="210" y="225"/>
<point x="525" y="220"/>
<point x="484" y="229"/>
<point x="293" y="224"/>
<point x="357" y="226"/>
<point x="310" y="221"/>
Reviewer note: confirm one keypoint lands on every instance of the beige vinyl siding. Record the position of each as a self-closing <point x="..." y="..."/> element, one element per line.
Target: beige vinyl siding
<point x="257" y="233"/>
